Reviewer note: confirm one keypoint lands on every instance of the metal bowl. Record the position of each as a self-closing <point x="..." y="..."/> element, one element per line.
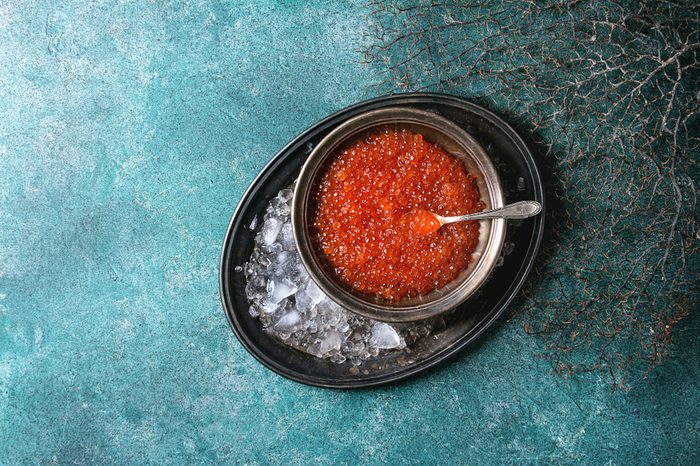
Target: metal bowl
<point x="455" y="141"/>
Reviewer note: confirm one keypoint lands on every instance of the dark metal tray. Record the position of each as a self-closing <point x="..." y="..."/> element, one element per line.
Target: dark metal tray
<point x="521" y="181"/>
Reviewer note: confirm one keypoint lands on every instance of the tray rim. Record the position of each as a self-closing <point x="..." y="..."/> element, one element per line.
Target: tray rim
<point x="465" y="340"/>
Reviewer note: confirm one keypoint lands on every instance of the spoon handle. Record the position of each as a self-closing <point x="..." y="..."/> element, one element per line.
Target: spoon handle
<point x="522" y="209"/>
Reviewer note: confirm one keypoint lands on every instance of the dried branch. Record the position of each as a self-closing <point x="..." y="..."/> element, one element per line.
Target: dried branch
<point x="608" y="93"/>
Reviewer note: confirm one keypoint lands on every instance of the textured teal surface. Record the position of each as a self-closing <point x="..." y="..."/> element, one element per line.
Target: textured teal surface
<point x="128" y="132"/>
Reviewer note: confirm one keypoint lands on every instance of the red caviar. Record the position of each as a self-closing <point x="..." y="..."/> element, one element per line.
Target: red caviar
<point x="368" y="221"/>
<point x="423" y="222"/>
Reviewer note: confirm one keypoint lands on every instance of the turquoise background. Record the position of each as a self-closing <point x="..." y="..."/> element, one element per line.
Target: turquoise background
<point x="128" y="132"/>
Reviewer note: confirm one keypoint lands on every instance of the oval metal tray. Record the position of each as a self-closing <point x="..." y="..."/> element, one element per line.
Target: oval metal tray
<point x="521" y="180"/>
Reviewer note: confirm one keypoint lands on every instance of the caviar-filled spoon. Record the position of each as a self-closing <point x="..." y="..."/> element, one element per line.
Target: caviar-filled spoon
<point x="425" y="222"/>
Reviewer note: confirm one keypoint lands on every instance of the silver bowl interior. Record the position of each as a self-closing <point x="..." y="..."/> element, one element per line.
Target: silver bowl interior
<point x="454" y="140"/>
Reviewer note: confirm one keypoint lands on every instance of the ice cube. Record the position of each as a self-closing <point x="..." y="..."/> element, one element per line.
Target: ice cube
<point x="334" y="315"/>
<point x="268" y="307"/>
<point x="253" y="311"/>
<point x="282" y="258"/>
<point x="332" y="342"/>
<point x="270" y="230"/>
<point x="304" y="302"/>
<point x="315" y="292"/>
<point x="251" y="291"/>
<point x="343" y="325"/>
<point x="286" y="237"/>
<point x="384" y="336"/>
<point x="280" y="289"/>
<point x="314" y="350"/>
<point x="288" y="322"/>
<point x="285" y="195"/>
<point x="283" y="266"/>
<point x="338" y="358"/>
<point x="278" y="207"/>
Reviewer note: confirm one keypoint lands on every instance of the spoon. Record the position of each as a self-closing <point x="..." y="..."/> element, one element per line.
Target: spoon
<point x="425" y="222"/>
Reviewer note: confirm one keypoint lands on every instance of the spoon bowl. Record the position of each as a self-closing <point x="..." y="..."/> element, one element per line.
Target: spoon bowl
<point x="424" y="222"/>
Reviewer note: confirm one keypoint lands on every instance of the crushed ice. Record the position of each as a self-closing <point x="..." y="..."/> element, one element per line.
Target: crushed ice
<point x="293" y="309"/>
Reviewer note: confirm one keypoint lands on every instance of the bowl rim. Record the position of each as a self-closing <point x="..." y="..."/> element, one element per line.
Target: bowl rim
<point x="481" y="267"/>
